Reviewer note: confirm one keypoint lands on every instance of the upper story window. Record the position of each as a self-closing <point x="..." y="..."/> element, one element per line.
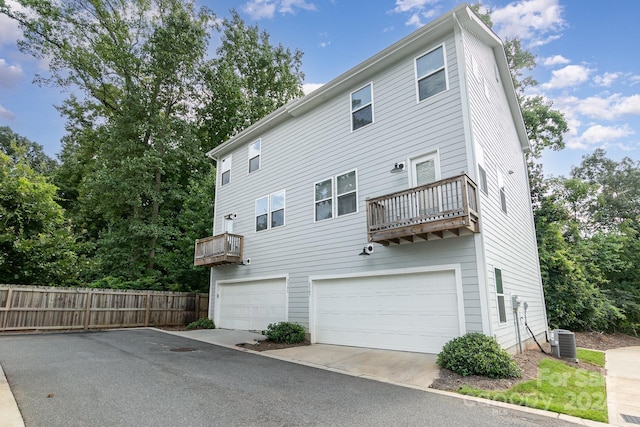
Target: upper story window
<point x="431" y="74"/>
<point x="361" y="107"/>
<point x="482" y="173"/>
<point x="270" y="211"/>
<point x="254" y="156"/>
<point x="502" y="192"/>
<point x="336" y="196"/>
<point x="226" y="170"/>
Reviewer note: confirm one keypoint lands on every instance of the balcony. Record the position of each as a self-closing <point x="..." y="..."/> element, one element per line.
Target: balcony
<point x="218" y="250"/>
<point x="436" y="210"/>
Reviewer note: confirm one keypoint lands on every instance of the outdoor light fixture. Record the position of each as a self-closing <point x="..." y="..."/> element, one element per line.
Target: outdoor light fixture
<point x="398" y="167"/>
<point x="367" y="250"/>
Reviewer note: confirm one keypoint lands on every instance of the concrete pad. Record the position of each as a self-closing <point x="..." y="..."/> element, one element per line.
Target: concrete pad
<point x="623" y="384"/>
<point x="399" y="367"/>
<point x="9" y="413"/>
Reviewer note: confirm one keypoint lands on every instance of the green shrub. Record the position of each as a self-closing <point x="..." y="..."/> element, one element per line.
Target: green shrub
<point x="286" y="332"/>
<point x="477" y="354"/>
<point x="203" y="323"/>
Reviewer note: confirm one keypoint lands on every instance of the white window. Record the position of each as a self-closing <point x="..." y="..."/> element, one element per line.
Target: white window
<point x="270" y="211"/>
<point x="482" y="173"/>
<point x="431" y="73"/>
<point x="254" y="156"/>
<point x="502" y="312"/>
<point x="362" y="107"/>
<point x="226" y="170"/>
<point x="502" y="192"/>
<point x="336" y="196"/>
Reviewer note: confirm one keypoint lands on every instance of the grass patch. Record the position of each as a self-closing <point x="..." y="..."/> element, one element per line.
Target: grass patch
<point x="591" y="356"/>
<point x="559" y="388"/>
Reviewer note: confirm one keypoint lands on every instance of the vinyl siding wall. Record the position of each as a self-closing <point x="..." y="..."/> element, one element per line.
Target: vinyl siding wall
<point x="509" y="239"/>
<point x="319" y="145"/>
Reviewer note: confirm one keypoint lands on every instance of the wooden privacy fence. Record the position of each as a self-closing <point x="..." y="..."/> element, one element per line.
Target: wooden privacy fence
<point x="50" y="308"/>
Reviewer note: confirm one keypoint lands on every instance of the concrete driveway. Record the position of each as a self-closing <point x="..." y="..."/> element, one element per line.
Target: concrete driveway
<point x="145" y="377"/>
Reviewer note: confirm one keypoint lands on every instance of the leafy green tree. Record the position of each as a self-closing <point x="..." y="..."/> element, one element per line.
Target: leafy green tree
<point x="18" y="147"/>
<point x="148" y="107"/>
<point x="36" y="245"/>
<point x="247" y="80"/>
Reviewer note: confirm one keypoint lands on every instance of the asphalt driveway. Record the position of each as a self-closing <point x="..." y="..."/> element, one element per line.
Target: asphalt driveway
<point x="145" y="377"/>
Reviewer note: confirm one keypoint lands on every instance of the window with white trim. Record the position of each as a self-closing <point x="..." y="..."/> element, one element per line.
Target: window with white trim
<point x="482" y="173"/>
<point x="502" y="192"/>
<point x="336" y="196"/>
<point x="362" y="107"/>
<point x="502" y="311"/>
<point x="431" y="73"/>
<point x="225" y="169"/>
<point x="270" y="211"/>
<point x="254" y="156"/>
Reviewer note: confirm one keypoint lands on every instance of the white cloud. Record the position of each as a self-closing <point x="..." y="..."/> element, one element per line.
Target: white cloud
<point x="10" y="75"/>
<point x="534" y="21"/>
<point x="418" y="10"/>
<point x="606" y="79"/>
<point x="307" y="88"/>
<point x="555" y="60"/>
<point x="6" y="114"/>
<point x="571" y="75"/>
<point x="612" y="107"/>
<point x="598" y="135"/>
<point x="261" y="9"/>
<point x="9" y="30"/>
<point x="289" y="6"/>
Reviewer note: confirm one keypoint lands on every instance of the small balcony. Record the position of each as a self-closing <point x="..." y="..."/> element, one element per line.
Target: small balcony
<point x="436" y="210"/>
<point x="218" y="250"/>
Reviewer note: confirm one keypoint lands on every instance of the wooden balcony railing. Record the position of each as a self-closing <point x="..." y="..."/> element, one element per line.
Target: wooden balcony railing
<point x="448" y="205"/>
<point x="217" y="250"/>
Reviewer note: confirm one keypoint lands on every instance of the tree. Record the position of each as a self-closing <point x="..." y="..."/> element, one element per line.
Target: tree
<point x="148" y="106"/>
<point x="247" y="80"/>
<point x="36" y="245"/>
<point x="18" y="147"/>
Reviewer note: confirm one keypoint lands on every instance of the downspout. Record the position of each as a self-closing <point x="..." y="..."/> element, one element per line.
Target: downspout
<point x="212" y="283"/>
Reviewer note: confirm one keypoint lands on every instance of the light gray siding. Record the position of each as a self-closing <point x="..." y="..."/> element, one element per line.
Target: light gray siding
<point x="509" y="238"/>
<point x="319" y="145"/>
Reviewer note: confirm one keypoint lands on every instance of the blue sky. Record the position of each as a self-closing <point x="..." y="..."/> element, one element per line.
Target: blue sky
<point x="587" y="54"/>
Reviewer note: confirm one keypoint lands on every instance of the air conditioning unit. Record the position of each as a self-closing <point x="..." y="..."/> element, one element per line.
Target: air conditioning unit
<point x="563" y="344"/>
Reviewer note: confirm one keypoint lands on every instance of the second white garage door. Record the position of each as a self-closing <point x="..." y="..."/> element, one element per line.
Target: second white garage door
<point x="411" y="312"/>
<point x="251" y="305"/>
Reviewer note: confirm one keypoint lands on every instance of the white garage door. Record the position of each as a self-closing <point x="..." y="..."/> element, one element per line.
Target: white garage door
<point x="410" y="312"/>
<point x="251" y="306"/>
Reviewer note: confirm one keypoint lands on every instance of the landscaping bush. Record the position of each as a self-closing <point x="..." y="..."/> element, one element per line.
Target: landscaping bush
<point x="477" y="354"/>
<point x="203" y="323"/>
<point x="286" y="332"/>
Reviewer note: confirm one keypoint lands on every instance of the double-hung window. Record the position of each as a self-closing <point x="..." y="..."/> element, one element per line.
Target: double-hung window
<point x="336" y="196"/>
<point x="226" y="170"/>
<point x="502" y="192"/>
<point x="362" y="107"/>
<point x="270" y="211"/>
<point x="431" y="73"/>
<point x="254" y="156"/>
<point x="482" y="173"/>
<point x="502" y="311"/>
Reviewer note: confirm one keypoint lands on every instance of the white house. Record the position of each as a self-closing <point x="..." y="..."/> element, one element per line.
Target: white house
<point x="389" y="208"/>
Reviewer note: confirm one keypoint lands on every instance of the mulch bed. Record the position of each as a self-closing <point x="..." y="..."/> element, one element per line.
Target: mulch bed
<point x="528" y="362"/>
<point x="270" y="345"/>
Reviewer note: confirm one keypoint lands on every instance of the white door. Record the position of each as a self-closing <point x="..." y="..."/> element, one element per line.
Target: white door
<point x="425" y="170"/>
<point x="252" y="305"/>
<point x="411" y="312"/>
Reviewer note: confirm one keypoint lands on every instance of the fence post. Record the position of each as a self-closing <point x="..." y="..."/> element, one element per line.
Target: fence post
<point x="87" y="311"/>
<point x="147" y="311"/>
<point x="8" y="309"/>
